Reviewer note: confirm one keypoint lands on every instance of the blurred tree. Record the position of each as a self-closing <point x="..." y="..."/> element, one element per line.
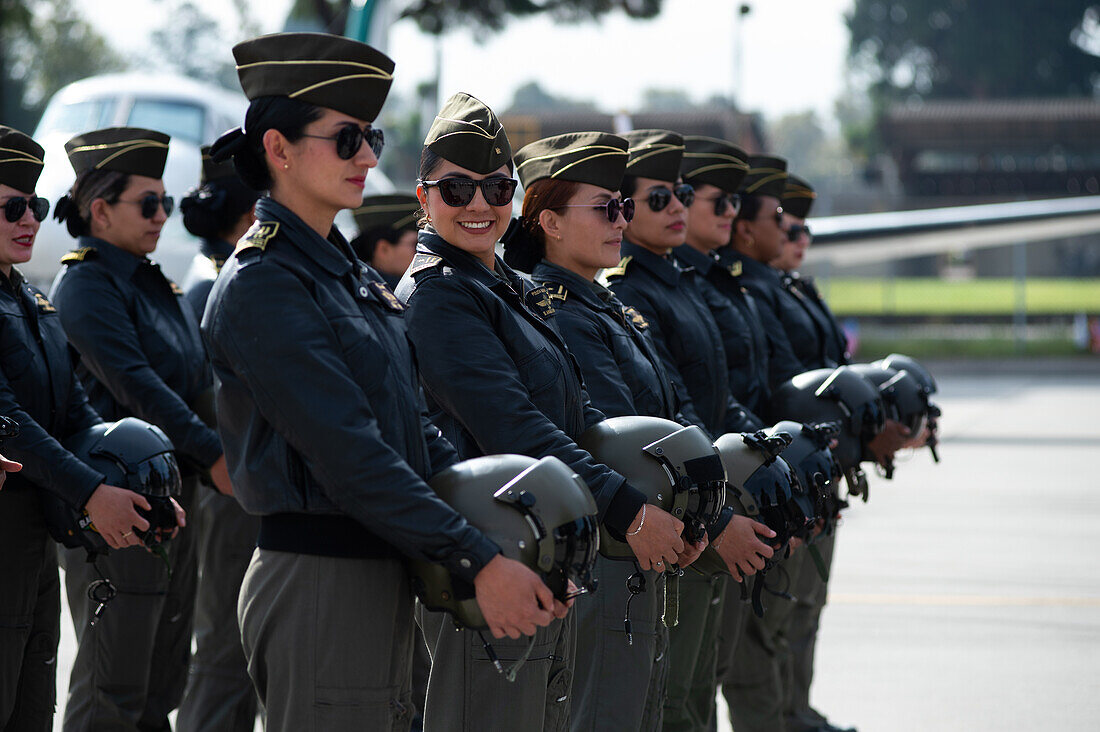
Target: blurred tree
<point x="797" y="137"/>
<point x="194" y="44"/>
<point x="974" y="49"/>
<point x="45" y="44"/>
<point x="435" y="16"/>
<point x="531" y="97"/>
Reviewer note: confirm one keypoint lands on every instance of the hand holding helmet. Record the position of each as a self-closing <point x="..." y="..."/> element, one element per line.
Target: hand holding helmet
<point x="512" y="598"/>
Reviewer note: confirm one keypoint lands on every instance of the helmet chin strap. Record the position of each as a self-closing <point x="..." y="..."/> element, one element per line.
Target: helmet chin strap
<point x="513" y="670"/>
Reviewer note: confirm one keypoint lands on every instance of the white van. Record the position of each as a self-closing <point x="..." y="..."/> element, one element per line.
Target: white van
<point x="191" y="112"/>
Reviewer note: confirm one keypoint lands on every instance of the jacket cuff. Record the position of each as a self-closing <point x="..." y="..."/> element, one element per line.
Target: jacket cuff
<point x="622" y="509"/>
<point x="208" y="450"/>
<point x="715" y="529"/>
<point x="465" y="564"/>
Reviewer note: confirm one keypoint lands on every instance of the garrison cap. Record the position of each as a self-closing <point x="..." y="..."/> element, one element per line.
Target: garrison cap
<point x="20" y="160"/>
<point x="397" y="211"/>
<point x="798" y="197"/>
<point x="713" y="161"/>
<point x="767" y="176"/>
<point x="467" y="133"/>
<point x="598" y="158"/>
<point x="655" y="154"/>
<point x="321" y="69"/>
<point x="130" y="150"/>
<point x="212" y="171"/>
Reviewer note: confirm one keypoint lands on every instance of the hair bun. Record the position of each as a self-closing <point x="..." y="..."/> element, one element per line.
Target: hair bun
<point x="228" y="145"/>
<point x="521" y="248"/>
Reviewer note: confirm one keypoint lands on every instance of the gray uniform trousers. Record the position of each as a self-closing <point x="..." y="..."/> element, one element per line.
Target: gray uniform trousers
<point x="810" y="592"/>
<point x="30" y="607"/>
<point x="693" y="654"/>
<point x="753" y="683"/>
<point x="329" y="641"/>
<point x="219" y="696"/>
<point x="619" y="685"/>
<point x="131" y="667"/>
<point x="735" y="612"/>
<point x="467" y="694"/>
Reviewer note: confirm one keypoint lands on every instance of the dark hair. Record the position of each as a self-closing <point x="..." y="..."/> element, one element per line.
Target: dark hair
<point x="629" y="186"/>
<point x="75" y="207"/>
<point x="288" y="116"/>
<point x="367" y="241"/>
<point x="750" y="208"/>
<point x="527" y="246"/>
<point x="213" y="210"/>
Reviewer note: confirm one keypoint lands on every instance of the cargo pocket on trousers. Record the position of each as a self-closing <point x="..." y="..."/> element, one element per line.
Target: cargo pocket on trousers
<point x="361" y="709"/>
<point x="558" y="701"/>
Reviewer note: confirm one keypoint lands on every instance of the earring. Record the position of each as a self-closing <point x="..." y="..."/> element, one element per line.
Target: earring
<point x="286" y="166"/>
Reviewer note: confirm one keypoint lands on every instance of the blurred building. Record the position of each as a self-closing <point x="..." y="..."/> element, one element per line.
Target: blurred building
<point x="957" y="152"/>
<point x="744" y="130"/>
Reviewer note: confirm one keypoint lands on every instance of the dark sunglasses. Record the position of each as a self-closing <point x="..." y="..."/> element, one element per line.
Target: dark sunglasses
<point x="460" y="191"/>
<point x="724" y="202"/>
<point x="612" y="208"/>
<point x="798" y="230"/>
<point x="150" y="203"/>
<point x="350" y="138"/>
<point x="17" y="206"/>
<point x="659" y="198"/>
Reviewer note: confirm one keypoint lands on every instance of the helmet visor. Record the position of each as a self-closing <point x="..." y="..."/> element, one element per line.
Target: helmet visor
<point x="157" y="476"/>
<point x="575" y="546"/>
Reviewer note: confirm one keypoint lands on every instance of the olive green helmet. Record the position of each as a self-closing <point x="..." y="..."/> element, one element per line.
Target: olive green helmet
<point x="539" y="512"/>
<point x="676" y="467"/>
<point x="759" y="484"/>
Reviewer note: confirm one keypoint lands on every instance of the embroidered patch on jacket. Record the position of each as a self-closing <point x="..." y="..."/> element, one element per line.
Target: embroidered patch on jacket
<point x="735" y="268"/>
<point x="391" y="300"/>
<point x="635" y="317"/>
<point x="538" y="299"/>
<point x="78" y="255"/>
<point x="557" y="293"/>
<point x="424" y="261"/>
<point x="258" y="235"/>
<point x="44" y="305"/>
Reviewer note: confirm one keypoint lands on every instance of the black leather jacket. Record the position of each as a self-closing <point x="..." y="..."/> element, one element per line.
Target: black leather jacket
<point x="199" y="282"/>
<point x="823" y="345"/>
<point x="498" y="377"/>
<point x="39" y="390"/>
<point x="742" y="332"/>
<point x="140" y="350"/>
<point x="318" y="403"/>
<point x="683" y="329"/>
<point x="621" y="369"/>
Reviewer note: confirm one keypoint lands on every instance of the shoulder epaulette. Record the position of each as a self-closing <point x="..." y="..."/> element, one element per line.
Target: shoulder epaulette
<point x="79" y="255"/>
<point x="423" y="261"/>
<point x="618" y="270"/>
<point x="557" y="293"/>
<point x="258" y="236"/>
<point x="44" y="305"/>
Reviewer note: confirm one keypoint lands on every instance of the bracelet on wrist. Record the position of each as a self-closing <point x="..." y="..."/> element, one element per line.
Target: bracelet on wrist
<point x="640" y="524"/>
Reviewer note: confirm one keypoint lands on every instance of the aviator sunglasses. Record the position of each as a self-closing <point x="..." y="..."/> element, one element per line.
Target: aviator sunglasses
<point x="659" y="198"/>
<point x="17" y="206"/>
<point x="723" y="202"/>
<point x="612" y="208"/>
<point x="797" y="230"/>
<point x="350" y="138"/>
<point x="457" y="192"/>
<point x="151" y="202"/>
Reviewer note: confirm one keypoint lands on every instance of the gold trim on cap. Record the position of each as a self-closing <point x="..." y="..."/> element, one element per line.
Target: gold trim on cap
<point x="735" y="162"/>
<point x="560" y="153"/>
<point x="21" y="156"/>
<point x="776" y="174"/>
<point x="655" y="149"/>
<point x="127" y="145"/>
<point x="337" y="80"/>
<point x="585" y="160"/>
<point x="799" y="192"/>
<point x="708" y="168"/>
<point x="381" y="74"/>
<point x="482" y="131"/>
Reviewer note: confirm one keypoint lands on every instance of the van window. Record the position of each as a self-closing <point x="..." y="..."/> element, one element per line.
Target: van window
<point x="179" y="120"/>
<point x="78" y="117"/>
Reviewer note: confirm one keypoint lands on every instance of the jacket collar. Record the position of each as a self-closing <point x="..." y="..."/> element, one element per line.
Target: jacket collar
<point x="590" y="293"/>
<point x="333" y="254"/>
<point x="664" y="268"/>
<point x="750" y="268"/>
<point x="117" y="260"/>
<point x="462" y="261"/>
<point x="689" y="256"/>
<point x="217" y="250"/>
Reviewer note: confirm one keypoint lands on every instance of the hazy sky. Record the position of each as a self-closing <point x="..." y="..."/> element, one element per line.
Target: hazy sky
<point x="792" y="52"/>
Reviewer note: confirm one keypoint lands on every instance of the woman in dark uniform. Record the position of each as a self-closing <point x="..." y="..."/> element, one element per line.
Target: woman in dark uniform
<point x="387" y="234"/>
<point x="218" y="212"/>
<point x="38" y="390"/>
<point x="499" y="379"/>
<point x="572" y="225"/>
<point x="219" y="694"/>
<point x="141" y="356"/>
<point x="320" y="410"/>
